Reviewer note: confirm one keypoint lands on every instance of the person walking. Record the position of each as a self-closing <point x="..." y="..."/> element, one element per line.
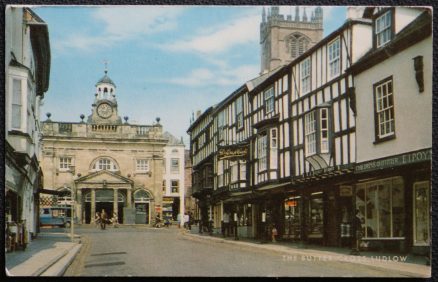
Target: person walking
<point x="274" y="233"/>
<point x="115" y="220"/>
<point x="103" y="219"/>
<point x="97" y="219"/>
<point x="226" y="224"/>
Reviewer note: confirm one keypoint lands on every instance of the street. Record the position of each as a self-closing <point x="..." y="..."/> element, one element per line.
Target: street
<point x="143" y="251"/>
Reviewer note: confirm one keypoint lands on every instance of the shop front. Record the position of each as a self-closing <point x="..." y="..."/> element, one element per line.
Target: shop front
<point x="394" y="204"/>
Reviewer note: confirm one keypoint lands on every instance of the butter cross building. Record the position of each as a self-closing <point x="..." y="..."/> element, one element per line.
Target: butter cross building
<point x="107" y="163"/>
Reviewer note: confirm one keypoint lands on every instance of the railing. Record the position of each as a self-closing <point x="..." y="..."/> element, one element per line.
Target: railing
<point x="103" y="128"/>
<point x="65" y="127"/>
<point x="143" y="130"/>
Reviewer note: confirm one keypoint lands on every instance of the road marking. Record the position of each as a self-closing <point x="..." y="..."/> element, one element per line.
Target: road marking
<point x="113" y="253"/>
<point x="105" y="264"/>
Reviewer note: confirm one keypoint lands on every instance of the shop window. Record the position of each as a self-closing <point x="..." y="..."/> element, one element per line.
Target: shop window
<point x="142" y="165"/>
<point x="381" y="205"/>
<point x="244" y="215"/>
<point x="384" y="110"/>
<point x="292" y="218"/>
<point x="269" y="100"/>
<point x="334" y="53"/>
<point x="316" y="215"/>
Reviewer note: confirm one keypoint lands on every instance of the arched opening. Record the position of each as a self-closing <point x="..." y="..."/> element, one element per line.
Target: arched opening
<point x="142" y="203"/>
<point x="104" y="200"/>
<point x="297" y="44"/>
<point x="104" y="163"/>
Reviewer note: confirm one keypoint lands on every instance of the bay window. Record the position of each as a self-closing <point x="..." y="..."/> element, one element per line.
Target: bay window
<point x="317" y="131"/>
<point x="262" y="144"/>
<point x="17" y="106"/>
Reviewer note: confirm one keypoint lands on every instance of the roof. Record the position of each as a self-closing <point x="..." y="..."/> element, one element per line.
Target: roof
<point x="201" y="117"/>
<point x="172" y="139"/>
<point x="417" y="30"/>
<point x="106" y="79"/>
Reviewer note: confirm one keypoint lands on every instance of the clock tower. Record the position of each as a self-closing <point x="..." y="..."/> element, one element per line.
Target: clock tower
<point x="104" y="108"/>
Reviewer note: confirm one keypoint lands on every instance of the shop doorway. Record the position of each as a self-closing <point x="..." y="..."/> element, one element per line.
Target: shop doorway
<point x="104" y="200"/>
<point x="142" y="200"/>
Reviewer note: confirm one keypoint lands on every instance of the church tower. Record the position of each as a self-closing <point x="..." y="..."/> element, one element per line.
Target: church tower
<point x="283" y="39"/>
<point x="104" y="108"/>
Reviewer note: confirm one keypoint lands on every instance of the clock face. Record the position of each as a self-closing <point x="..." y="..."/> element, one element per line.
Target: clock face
<point x="104" y="110"/>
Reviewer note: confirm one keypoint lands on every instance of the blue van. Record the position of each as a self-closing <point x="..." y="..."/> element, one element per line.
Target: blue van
<point x="55" y="216"/>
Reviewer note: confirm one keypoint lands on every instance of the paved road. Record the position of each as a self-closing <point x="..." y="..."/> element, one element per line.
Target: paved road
<point x="141" y="251"/>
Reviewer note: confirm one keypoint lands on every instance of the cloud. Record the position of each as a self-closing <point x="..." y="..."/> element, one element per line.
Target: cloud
<point x="221" y="38"/>
<point x="222" y="76"/>
<point x="121" y="24"/>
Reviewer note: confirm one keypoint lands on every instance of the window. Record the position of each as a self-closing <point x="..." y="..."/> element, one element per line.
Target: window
<point x="242" y="166"/>
<point x="317" y="131"/>
<point x="262" y="152"/>
<point x="142" y="165"/>
<point x="383" y="29"/>
<point x="234" y="171"/>
<point x="104" y="164"/>
<point x="164" y="186"/>
<point x="221" y="124"/>
<point x="65" y="163"/>
<point x="16" y="104"/>
<point x="298" y="44"/>
<point x="310" y="133"/>
<point x="381" y="207"/>
<point x="269" y="100"/>
<point x="334" y="58"/>
<point x="305" y="76"/>
<point x="174" y="166"/>
<point x="384" y="109"/>
<point x="421" y="214"/>
<point x="174" y="186"/>
<point x="324" y="131"/>
<point x="239" y="112"/>
<point x="273" y="149"/>
<point x="220" y="173"/>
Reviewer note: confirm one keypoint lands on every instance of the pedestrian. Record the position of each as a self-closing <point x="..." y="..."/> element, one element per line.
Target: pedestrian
<point x="115" y="220"/>
<point x="190" y="220"/>
<point x="226" y="224"/>
<point x="103" y="219"/>
<point x="178" y="218"/>
<point x="186" y="220"/>
<point x="157" y="221"/>
<point x="97" y="219"/>
<point x="357" y="225"/>
<point x="274" y="233"/>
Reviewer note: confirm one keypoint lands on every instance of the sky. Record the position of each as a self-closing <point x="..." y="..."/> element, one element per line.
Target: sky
<point x="166" y="61"/>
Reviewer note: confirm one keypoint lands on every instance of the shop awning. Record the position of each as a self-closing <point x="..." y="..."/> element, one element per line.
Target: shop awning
<point x="54" y="192"/>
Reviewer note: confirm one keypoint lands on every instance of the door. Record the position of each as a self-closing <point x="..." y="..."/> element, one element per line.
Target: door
<point x="421" y="214"/>
<point x="141" y="213"/>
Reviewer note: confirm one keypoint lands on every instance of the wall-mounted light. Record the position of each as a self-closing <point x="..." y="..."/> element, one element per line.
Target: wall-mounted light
<point x="419" y="76"/>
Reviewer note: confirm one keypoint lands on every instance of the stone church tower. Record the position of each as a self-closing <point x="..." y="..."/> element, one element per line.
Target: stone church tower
<point x="283" y="39"/>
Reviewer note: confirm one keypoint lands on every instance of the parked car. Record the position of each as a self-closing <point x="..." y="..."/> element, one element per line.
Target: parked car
<point x="55" y="216"/>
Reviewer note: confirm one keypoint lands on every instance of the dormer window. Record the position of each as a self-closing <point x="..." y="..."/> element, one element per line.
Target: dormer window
<point x="383" y="29"/>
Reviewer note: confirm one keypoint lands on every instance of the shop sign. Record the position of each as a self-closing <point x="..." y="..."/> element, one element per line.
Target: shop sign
<point x="167" y="199"/>
<point x="157" y="208"/>
<point x="235" y="152"/>
<point x="291" y="203"/>
<point x="345" y="191"/>
<point x="405" y="159"/>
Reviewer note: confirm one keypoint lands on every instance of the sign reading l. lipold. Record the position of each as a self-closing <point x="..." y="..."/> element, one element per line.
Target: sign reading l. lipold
<point x="233" y="152"/>
<point x="404" y="159"/>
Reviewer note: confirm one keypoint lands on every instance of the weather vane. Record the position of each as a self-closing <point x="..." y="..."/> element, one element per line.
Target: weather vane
<point x="106" y="65"/>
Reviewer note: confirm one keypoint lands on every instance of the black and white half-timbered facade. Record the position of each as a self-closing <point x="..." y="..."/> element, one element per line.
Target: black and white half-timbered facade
<point x="301" y="147"/>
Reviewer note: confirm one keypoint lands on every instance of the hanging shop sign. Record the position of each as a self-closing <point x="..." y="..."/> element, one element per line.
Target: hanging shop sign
<point x="291" y="203"/>
<point x="345" y="191"/>
<point x="394" y="161"/>
<point x="233" y="152"/>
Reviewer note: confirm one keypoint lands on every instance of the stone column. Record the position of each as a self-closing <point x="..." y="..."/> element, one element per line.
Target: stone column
<point x="115" y="203"/>
<point x="128" y="198"/>
<point x="79" y="205"/>
<point x="93" y="204"/>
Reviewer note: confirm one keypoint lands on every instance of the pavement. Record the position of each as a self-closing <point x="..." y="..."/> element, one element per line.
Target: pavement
<point x="411" y="265"/>
<point x="49" y="254"/>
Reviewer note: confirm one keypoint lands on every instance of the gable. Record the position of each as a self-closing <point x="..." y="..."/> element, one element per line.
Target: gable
<point x="100" y="176"/>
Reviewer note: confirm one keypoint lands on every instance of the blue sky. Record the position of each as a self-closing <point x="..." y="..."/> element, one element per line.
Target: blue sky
<point x="167" y="61"/>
